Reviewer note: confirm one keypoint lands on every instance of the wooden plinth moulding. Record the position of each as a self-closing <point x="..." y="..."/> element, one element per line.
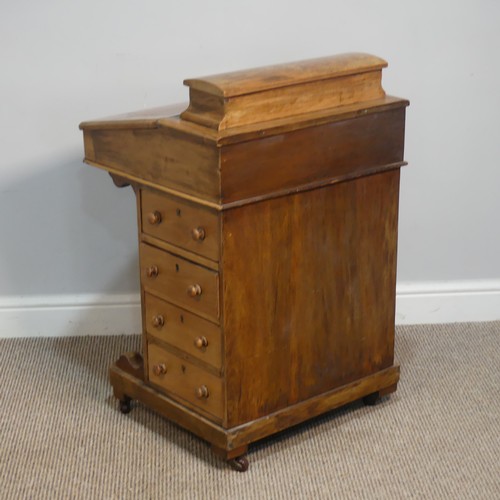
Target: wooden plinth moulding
<point x="267" y="214"/>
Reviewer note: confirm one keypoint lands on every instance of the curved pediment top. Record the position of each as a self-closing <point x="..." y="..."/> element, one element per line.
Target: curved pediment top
<point x="249" y="81"/>
<point x="259" y="95"/>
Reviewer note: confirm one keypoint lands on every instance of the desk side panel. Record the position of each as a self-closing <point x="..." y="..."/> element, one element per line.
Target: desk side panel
<point x="308" y="293"/>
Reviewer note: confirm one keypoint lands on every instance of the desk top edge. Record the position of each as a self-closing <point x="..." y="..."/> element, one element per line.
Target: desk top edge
<point x="167" y="117"/>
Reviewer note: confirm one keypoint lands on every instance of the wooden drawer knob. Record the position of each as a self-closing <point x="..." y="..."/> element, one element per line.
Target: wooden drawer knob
<point x="159" y="369"/>
<point x="194" y="290"/>
<point x="198" y="234"/>
<point x="152" y="271"/>
<point x="154" y="218"/>
<point x="158" y="321"/>
<point x="200" y="342"/>
<point x="202" y="392"/>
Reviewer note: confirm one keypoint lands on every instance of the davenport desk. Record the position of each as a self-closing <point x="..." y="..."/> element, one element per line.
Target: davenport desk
<point x="267" y="212"/>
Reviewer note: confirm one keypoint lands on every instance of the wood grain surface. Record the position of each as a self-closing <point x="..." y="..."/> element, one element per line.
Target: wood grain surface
<point x="182" y="329"/>
<point x="177" y="222"/>
<point x="284" y="75"/>
<point x="162" y="157"/>
<point x="308" y="294"/>
<point x="267" y="218"/>
<point x="183" y="379"/>
<point x="277" y="103"/>
<point x="326" y="152"/>
<point x="174" y="278"/>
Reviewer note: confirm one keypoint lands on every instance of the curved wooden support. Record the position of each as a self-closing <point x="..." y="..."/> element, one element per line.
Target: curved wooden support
<point x="132" y="363"/>
<point x="119" y="181"/>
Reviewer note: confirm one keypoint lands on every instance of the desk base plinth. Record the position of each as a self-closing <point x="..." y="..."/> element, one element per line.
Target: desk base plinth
<point x="127" y="379"/>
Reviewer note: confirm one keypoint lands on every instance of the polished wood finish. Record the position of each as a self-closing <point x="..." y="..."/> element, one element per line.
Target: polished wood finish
<point x="180" y="281"/>
<point x="267" y="216"/>
<point x="309" y="303"/>
<point x="183" y="330"/>
<point x="162" y="157"/>
<point x="133" y="363"/>
<point x="181" y="223"/>
<point x="246" y="97"/>
<point x="183" y="379"/>
<point x="316" y="155"/>
<point x="181" y="252"/>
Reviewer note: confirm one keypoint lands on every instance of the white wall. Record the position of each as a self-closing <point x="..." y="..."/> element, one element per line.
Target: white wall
<point x="68" y="237"/>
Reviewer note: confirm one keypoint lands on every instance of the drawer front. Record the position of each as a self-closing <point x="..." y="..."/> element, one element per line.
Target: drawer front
<point x="198" y="337"/>
<point x="183" y="379"/>
<point x="180" y="223"/>
<point x="180" y="281"/>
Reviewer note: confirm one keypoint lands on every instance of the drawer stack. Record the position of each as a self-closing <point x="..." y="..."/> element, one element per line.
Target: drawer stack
<point x="179" y="254"/>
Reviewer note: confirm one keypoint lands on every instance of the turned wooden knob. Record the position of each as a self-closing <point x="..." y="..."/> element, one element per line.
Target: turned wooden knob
<point x="158" y="321"/>
<point x="152" y="271"/>
<point x="154" y="218"/>
<point x="200" y="342"/>
<point x="202" y="392"/>
<point x="194" y="290"/>
<point x="159" y="369"/>
<point x="198" y="234"/>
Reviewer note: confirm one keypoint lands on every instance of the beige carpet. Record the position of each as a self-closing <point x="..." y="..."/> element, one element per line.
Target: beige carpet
<point x="61" y="435"/>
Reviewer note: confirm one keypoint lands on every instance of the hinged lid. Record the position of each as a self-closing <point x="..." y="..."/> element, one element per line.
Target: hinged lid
<point x="245" y="97"/>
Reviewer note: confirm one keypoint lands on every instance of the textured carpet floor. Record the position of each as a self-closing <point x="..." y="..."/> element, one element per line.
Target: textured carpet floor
<point x="61" y="435"/>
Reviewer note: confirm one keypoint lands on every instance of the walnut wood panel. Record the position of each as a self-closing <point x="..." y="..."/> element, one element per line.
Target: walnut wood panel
<point x="384" y="381"/>
<point x="329" y="151"/>
<point x="188" y="332"/>
<point x="284" y="75"/>
<point x="180" y="281"/>
<point x="254" y="96"/>
<point x="309" y="294"/>
<point x="181" y="223"/>
<point x="222" y="114"/>
<point x="186" y="380"/>
<point x="161" y="156"/>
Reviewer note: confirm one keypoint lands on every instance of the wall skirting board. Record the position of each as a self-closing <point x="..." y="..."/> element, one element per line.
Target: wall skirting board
<point x="71" y="315"/>
<point x="447" y="302"/>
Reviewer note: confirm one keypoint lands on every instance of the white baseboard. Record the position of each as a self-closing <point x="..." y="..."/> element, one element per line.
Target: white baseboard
<point x="71" y="315"/>
<point x="448" y="302"/>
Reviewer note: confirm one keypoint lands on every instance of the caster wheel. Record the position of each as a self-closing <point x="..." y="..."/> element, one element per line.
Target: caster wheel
<point x="371" y="399"/>
<point x="239" y="464"/>
<point x="125" y="405"/>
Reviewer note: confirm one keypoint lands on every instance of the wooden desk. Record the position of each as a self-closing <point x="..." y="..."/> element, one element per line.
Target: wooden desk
<point x="267" y="215"/>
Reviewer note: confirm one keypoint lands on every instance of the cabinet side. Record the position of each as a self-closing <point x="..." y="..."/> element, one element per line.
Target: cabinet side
<point x="308" y="293"/>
